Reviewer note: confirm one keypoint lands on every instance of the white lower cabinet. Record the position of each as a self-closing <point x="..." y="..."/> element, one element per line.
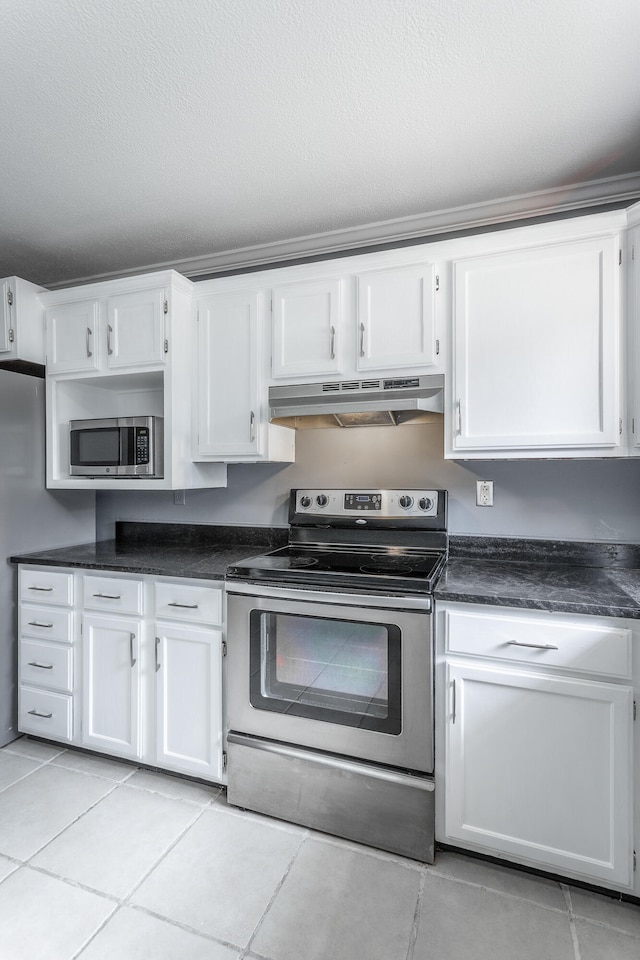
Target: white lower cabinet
<point x="124" y="665"/>
<point x="46" y="654"/>
<point x="188" y="698"/>
<point x="536" y="761"/>
<point x="111" y="685"/>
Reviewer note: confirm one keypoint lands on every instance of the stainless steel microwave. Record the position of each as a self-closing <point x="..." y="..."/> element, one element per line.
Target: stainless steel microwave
<point x="116" y="447"/>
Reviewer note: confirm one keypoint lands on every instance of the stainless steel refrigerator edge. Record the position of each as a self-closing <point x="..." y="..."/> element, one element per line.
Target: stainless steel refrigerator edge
<point x="31" y="517"/>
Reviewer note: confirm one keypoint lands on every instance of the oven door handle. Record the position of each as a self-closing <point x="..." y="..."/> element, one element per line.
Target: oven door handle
<point x="258" y="591"/>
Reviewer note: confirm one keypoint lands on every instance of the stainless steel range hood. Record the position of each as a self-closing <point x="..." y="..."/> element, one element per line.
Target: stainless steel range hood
<point x="358" y="403"/>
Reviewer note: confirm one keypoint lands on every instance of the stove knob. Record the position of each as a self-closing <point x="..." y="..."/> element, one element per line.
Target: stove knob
<point x="425" y="503"/>
<point x="305" y="501"/>
<point x="405" y="501"/>
<point x="322" y="500"/>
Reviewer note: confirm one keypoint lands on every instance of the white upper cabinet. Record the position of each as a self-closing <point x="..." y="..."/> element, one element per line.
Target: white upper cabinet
<point x="135" y="329"/>
<point x="125" y="348"/>
<point x="106" y="334"/>
<point x="632" y="270"/>
<point x="396" y="324"/>
<point x="72" y="337"/>
<point x="536" y="342"/>
<point x="227" y="402"/>
<point x="307" y="328"/>
<point x="364" y="321"/>
<point x="230" y="391"/>
<point x="21" y="329"/>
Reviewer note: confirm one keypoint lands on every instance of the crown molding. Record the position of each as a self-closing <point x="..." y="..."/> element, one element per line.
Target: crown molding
<point x="475" y="216"/>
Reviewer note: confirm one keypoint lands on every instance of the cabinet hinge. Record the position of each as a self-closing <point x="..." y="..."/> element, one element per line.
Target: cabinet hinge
<point x="437" y="347"/>
<point x="633" y="425"/>
<point x="224" y="760"/>
<point x="635" y="709"/>
<point x="619" y="257"/>
<point x="437" y="283"/>
<point x="11" y="335"/>
<point x="635" y="861"/>
<point x="633" y="252"/>
<point x="224" y="648"/>
<point x="165" y="306"/>
<point x="166" y="346"/>
<point x="620" y="426"/>
<point x="10" y="297"/>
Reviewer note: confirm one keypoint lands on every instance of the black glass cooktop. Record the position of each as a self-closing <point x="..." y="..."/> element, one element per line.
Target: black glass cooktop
<point x="366" y="569"/>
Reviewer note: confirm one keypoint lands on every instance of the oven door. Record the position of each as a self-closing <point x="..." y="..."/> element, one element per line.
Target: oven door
<point x="347" y="674"/>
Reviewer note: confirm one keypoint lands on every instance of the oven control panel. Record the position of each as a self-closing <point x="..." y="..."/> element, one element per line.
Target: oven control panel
<point x="381" y="504"/>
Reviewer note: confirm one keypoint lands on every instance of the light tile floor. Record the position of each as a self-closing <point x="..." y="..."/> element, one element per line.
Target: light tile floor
<point x="102" y="860"/>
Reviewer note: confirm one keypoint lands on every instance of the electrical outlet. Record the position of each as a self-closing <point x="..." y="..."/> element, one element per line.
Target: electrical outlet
<point x="484" y="493"/>
<point x="179" y="498"/>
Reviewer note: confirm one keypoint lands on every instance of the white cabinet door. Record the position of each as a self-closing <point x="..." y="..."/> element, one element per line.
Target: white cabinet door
<point x="540" y="768"/>
<point x="307" y="328"/>
<point x="111" y="685"/>
<point x="135" y="329"/>
<point x="5" y="317"/>
<point x="189" y="700"/>
<point x="633" y="315"/>
<point x="536" y="348"/>
<point x="228" y="405"/>
<point x="72" y="337"/>
<point x="396" y="324"/>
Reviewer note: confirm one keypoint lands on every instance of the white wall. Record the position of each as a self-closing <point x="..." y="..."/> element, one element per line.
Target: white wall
<point x="564" y="499"/>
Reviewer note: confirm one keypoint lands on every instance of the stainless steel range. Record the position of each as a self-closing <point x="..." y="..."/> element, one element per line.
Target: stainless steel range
<point x="330" y="668"/>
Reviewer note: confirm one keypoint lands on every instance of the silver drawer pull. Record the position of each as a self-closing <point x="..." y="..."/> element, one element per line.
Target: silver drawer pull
<point x="132" y="637"/>
<point x="42" y="589"/>
<point x="157" y="661"/>
<point x="36" y="623"/>
<point x="108" y="596"/>
<point x="184" y="606"/>
<point x="36" y="713"/>
<point x="43" y="666"/>
<point x="534" y="646"/>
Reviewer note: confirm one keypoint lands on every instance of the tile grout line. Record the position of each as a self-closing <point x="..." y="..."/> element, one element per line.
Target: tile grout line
<point x="413" y="936"/>
<point x="573" y="916"/>
<point x="124" y="901"/>
<point x="498" y="893"/>
<point x="572" y="926"/>
<point x="247" y="949"/>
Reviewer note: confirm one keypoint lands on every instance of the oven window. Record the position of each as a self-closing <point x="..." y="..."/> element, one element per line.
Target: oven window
<point x="341" y="671"/>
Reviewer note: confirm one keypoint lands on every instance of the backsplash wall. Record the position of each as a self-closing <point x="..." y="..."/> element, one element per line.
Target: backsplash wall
<point x="556" y="499"/>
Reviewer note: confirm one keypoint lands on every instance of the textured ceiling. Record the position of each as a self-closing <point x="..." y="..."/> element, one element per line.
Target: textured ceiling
<point x="140" y="132"/>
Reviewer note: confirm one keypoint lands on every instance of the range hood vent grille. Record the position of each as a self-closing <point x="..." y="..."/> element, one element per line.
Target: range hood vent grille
<point x="391" y="400"/>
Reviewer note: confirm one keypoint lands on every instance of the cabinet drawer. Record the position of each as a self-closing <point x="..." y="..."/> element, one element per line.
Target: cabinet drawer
<point x="569" y="644"/>
<point x="46" y="665"/>
<point x="45" y="586"/>
<point x="114" y="594"/>
<point x="178" y="601"/>
<point x="45" y="622"/>
<point x="45" y="714"/>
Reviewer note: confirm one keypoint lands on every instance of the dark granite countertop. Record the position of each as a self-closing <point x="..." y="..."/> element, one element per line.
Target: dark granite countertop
<point x="201" y="552"/>
<point x="562" y="576"/>
<point x="565" y="577"/>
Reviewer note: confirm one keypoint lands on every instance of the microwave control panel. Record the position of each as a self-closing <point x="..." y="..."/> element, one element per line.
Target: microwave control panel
<point x="142" y="445"/>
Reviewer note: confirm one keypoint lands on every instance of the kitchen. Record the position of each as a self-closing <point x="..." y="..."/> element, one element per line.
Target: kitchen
<point x="575" y="499"/>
